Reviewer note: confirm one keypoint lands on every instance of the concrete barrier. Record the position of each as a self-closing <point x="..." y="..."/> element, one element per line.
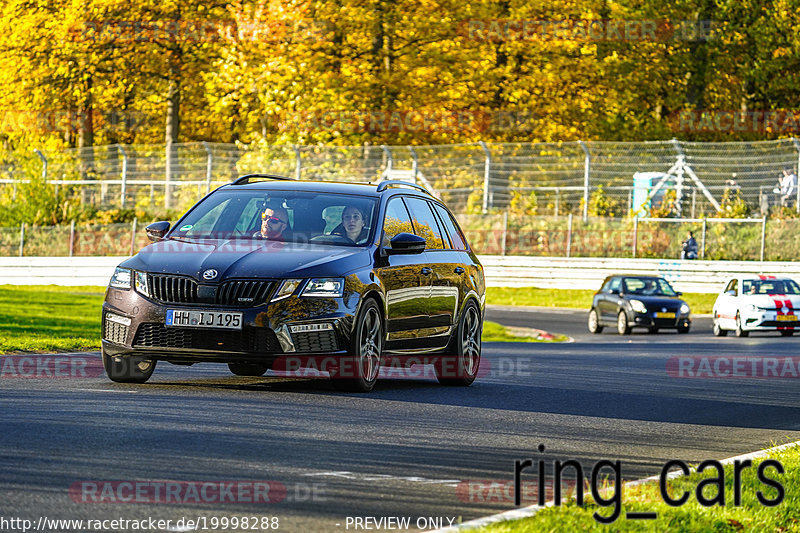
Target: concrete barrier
<point x="501" y="271"/>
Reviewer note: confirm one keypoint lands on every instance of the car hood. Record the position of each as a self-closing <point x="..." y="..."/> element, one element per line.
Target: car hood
<point x="771" y="301"/>
<point x="248" y="259"/>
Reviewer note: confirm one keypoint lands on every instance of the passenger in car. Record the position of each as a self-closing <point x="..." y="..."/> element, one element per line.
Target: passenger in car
<point x="353" y="225"/>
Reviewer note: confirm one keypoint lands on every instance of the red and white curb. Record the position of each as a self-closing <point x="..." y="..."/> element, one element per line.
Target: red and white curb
<point x="526" y="512"/>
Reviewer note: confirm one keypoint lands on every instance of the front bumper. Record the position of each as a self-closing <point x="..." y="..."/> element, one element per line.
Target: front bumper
<point x="767" y="320"/>
<point x="135" y="325"/>
<point x="650" y="320"/>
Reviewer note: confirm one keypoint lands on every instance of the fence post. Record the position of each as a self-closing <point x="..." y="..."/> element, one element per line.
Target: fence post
<point x="587" y="161"/>
<point x="703" y="241"/>
<point x="133" y="236"/>
<point x="797" y="200"/>
<point x="569" y="235"/>
<point x="487" y="173"/>
<point x="44" y="163"/>
<point x="297" y="163"/>
<point x="635" y="234"/>
<point x="558" y="201"/>
<point x="389" y="161"/>
<point x="22" y="239"/>
<point x="414" y="162"/>
<point x="209" y="163"/>
<point x="124" y="187"/>
<point x="505" y="232"/>
<point x="168" y="176"/>
<point x="763" y="235"/>
<point x="72" y="238"/>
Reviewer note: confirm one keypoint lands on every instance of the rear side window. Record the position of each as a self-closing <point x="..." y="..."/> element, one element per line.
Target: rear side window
<point x="459" y="243"/>
<point x="425" y="224"/>
<point x="397" y="220"/>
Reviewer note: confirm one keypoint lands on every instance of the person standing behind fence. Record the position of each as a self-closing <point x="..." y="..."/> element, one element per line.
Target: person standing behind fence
<point x="788" y="187"/>
<point x="689" y="247"/>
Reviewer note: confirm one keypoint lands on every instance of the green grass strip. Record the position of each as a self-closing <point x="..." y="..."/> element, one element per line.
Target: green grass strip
<point x="49" y="318"/>
<point x="575" y="298"/>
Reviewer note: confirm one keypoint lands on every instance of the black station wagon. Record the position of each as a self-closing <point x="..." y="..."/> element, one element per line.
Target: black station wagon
<point x="268" y="272"/>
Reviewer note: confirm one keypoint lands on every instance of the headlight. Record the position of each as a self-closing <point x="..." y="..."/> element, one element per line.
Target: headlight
<point x="121" y="278"/>
<point x="141" y="283"/>
<point x="750" y="308"/>
<point x="329" y="287"/>
<point x="286" y="289"/>
<point x="638" y="306"/>
<point x="684" y="309"/>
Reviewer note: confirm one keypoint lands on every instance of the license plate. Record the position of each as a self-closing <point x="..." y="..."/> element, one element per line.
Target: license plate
<point x="203" y="319"/>
<point x="665" y="315"/>
<point x="786" y="318"/>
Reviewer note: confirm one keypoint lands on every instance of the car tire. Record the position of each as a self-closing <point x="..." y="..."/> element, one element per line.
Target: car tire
<point x="739" y="331"/>
<point x="718" y="331"/>
<point x="359" y="371"/>
<point x="622" y="323"/>
<point x="128" y="369"/>
<point x="652" y="330"/>
<point x="594" y="323"/>
<point x="461" y="367"/>
<point x="787" y="332"/>
<point x="248" y="369"/>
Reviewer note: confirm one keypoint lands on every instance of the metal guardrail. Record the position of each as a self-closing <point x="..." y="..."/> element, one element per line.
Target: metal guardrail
<point x="542" y="272"/>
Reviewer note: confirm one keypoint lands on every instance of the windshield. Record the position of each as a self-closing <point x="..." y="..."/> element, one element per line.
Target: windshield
<point x="307" y="217"/>
<point x="648" y="287"/>
<point x="770" y="286"/>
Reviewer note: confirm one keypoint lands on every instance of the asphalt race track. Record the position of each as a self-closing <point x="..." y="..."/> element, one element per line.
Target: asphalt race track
<point x="411" y="448"/>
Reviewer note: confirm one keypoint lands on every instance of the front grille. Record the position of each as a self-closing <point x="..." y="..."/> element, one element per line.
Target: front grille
<point x="116" y="333"/>
<point x="262" y="340"/>
<point x="173" y="289"/>
<point x="315" y="341"/>
<point x="243" y="293"/>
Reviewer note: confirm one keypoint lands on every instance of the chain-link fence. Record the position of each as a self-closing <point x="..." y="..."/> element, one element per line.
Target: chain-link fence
<point x="592" y="178"/>
<point x="501" y="234"/>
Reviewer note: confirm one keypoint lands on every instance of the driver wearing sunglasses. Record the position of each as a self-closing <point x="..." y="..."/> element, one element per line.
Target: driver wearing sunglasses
<point x="275" y="224"/>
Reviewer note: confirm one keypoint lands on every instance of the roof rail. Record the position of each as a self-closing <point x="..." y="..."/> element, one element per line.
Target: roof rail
<point x="247" y="178"/>
<point x="382" y="186"/>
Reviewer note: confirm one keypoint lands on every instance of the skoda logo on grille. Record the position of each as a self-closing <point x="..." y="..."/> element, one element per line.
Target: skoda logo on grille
<point x="663" y="309"/>
<point x="784" y="310"/>
<point x="210" y="274"/>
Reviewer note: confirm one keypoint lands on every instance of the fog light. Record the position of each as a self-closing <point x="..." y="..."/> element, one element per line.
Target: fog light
<point x="302" y="328"/>
<point x="125" y="321"/>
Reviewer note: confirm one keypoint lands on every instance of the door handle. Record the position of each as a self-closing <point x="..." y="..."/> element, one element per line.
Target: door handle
<point x="426" y="270"/>
<point x="459" y="270"/>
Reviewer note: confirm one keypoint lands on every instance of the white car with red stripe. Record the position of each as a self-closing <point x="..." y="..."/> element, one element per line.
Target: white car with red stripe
<point x="757" y="303"/>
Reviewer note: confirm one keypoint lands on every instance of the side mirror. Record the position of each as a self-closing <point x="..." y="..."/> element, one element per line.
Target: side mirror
<point x="157" y="230"/>
<point x="614" y="291"/>
<point x="406" y="243"/>
<point x="731" y="292"/>
<point x="679" y="293"/>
